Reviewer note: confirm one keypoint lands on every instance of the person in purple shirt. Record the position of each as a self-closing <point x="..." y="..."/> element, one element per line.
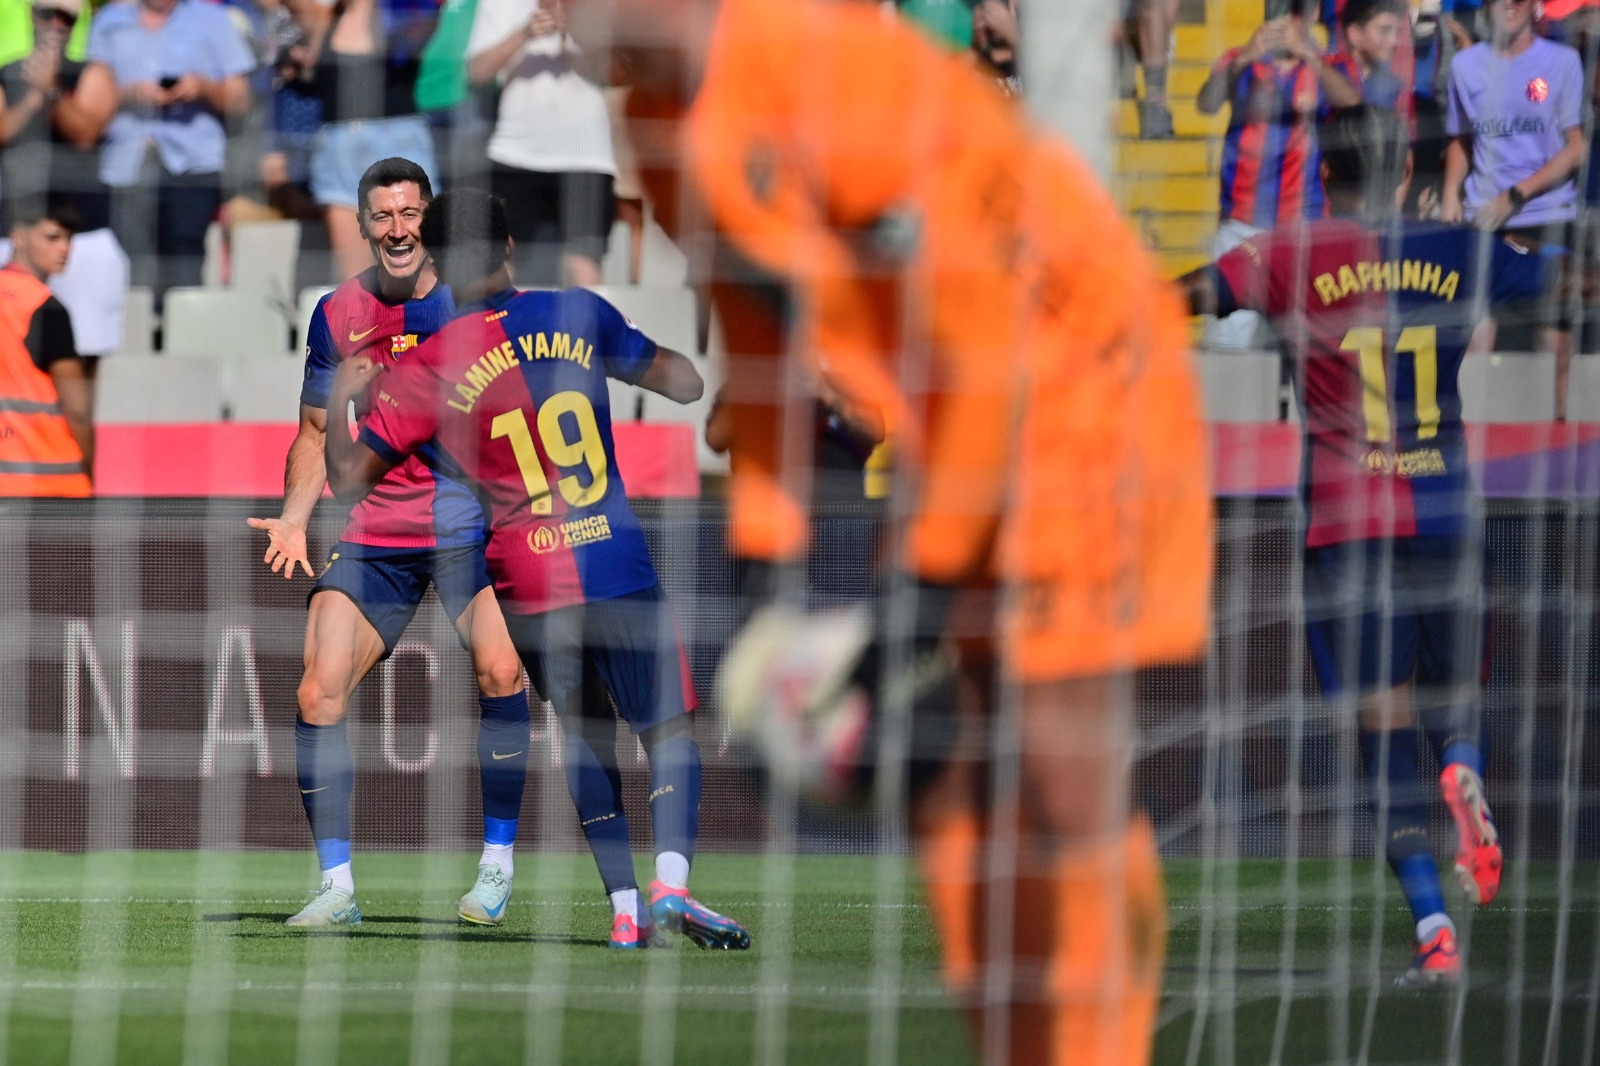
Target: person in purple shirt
<point x="1516" y="127"/>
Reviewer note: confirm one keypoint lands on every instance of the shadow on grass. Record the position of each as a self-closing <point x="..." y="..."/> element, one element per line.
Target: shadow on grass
<point x="443" y="929"/>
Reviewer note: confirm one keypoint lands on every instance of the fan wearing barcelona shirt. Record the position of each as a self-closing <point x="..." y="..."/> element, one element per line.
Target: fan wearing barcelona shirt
<point x="513" y="398"/>
<point x="1378" y="314"/>
<point x="415" y="529"/>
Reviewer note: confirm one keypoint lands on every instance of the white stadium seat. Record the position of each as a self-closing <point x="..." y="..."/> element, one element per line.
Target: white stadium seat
<point x="661" y="262"/>
<point x="222" y="324"/>
<point x="665" y="312"/>
<point x="1583" y="389"/>
<point x="158" y="388"/>
<point x="139" y="319"/>
<point x="264" y="388"/>
<point x="1239" y="386"/>
<point x="1498" y="387"/>
<point x="262" y="258"/>
<point x="304" y="306"/>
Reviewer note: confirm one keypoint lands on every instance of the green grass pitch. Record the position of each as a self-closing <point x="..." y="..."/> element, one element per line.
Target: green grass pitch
<point x="156" y="957"/>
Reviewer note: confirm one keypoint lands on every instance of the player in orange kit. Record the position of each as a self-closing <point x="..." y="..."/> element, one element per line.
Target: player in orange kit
<point x="880" y="211"/>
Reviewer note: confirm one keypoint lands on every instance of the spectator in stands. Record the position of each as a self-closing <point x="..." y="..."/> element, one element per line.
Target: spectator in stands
<point x="1369" y="35"/>
<point x="550" y="156"/>
<point x="1515" y="120"/>
<point x="46" y="432"/>
<point x="363" y="61"/>
<point x="39" y="163"/>
<point x="162" y="76"/>
<point x="1277" y="86"/>
<point x="995" y="37"/>
<point x="1148" y="26"/>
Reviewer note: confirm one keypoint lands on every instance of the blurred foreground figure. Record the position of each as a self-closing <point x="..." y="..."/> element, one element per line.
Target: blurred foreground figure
<point x="873" y="207"/>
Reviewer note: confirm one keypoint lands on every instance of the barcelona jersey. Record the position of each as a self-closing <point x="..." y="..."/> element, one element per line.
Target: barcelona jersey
<point x="513" y="397"/>
<point x="1270" y="161"/>
<point x="1379" y="321"/>
<point x="414" y="506"/>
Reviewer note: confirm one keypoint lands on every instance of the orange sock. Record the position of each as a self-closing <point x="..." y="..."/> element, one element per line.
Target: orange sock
<point x="1089" y="943"/>
<point x="949" y="844"/>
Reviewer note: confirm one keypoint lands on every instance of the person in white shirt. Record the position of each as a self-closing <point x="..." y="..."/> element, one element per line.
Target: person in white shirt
<point x="550" y="155"/>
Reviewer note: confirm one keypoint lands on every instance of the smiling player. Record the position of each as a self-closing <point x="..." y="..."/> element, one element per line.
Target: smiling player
<point x="414" y="529"/>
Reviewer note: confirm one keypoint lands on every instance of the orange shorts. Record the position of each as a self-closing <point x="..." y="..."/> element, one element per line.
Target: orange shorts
<point x="1108" y="543"/>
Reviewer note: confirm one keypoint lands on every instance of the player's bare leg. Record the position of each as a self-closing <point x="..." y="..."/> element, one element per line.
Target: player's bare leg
<point x="341" y="648"/>
<point x="502" y="754"/>
<point x="1077" y="975"/>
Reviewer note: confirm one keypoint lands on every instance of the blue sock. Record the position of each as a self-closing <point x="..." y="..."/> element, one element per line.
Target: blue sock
<point x="1454" y="737"/>
<point x="1407" y="846"/>
<point x="502" y="763"/>
<point x="596" y="788"/>
<point x="674" y="792"/>
<point x="327" y="775"/>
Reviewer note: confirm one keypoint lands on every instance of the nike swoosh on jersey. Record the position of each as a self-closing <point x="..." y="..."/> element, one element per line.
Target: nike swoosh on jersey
<point x="354" y="336"/>
<point x="308" y="791"/>
<point x="508" y="755"/>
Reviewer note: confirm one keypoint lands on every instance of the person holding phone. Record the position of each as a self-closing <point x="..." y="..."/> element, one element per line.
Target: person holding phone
<point x="1277" y="86"/>
<point x="550" y="156"/>
<point x="162" y="77"/>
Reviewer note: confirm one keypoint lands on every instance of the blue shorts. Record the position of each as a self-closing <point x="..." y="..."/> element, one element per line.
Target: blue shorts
<point x="343" y="151"/>
<point x="386" y="584"/>
<point x="630" y="645"/>
<point x="1380" y="613"/>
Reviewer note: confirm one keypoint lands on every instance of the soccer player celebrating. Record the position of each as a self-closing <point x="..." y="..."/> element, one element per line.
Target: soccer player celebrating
<point x="413" y="530"/>
<point x="888" y="219"/>
<point x="1394" y="552"/>
<point x="513" y="397"/>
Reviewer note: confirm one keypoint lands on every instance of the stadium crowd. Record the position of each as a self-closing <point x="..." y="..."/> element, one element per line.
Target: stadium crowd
<point x="1495" y="97"/>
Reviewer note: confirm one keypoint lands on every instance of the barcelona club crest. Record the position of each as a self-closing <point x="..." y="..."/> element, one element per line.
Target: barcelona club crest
<point x="402" y="342"/>
<point x="1538" y="90"/>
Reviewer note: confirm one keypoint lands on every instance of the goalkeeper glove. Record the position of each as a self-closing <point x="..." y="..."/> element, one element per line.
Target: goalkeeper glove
<point x="813" y="691"/>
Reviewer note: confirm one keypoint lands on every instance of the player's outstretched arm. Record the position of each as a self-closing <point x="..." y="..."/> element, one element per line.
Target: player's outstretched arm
<point x="304" y="474"/>
<point x="353" y="467"/>
<point x="673" y="375"/>
<point x="1199" y="288"/>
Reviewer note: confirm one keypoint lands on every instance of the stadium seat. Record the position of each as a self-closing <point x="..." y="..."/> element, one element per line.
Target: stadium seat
<point x="305" y="304"/>
<point x="614" y="266"/>
<point x="627" y="401"/>
<point x="140" y="388"/>
<point x="139" y="319"/>
<point x="262" y="258"/>
<point x="658" y="408"/>
<point x="1239" y="386"/>
<point x="264" y="388"/>
<point x="666" y="313"/>
<point x="222" y="324"/>
<point x="1519" y="387"/>
<point x="661" y="262"/>
<point x="1583" y="389"/>
<point x="213" y="270"/>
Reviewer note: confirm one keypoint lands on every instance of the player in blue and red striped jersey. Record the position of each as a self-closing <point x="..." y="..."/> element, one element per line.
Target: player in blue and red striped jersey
<point x="415" y="529"/>
<point x="513" y="396"/>
<point x="1377" y="314"/>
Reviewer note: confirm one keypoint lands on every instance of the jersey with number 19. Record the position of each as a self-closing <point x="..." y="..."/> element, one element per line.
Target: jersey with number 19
<point x="1379" y="321"/>
<point x="513" y="397"/>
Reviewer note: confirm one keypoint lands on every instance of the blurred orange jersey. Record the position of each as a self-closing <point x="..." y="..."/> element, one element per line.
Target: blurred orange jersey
<point x="940" y="261"/>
